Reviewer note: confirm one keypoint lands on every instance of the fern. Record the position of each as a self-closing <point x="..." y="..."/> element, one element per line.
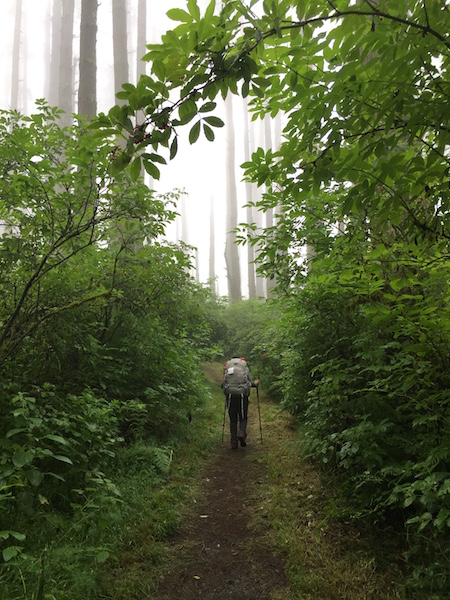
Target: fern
<point x="163" y="459"/>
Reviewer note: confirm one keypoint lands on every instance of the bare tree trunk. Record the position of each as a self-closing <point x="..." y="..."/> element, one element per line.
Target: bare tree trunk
<point x="249" y="198"/>
<point x="65" y="89"/>
<point x="197" y="267"/>
<point x="141" y="65"/>
<point x="212" y="248"/>
<point x="120" y="45"/>
<point x="55" y="58"/>
<point x="231" y="249"/>
<point x="258" y="217"/>
<point x="270" y="283"/>
<point x="87" y="90"/>
<point x="184" y="221"/>
<point x="141" y="38"/>
<point x="185" y="232"/>
<point x="16" y="56"/>
<point x="25" y="73"/>
<point x="47" y="51"/>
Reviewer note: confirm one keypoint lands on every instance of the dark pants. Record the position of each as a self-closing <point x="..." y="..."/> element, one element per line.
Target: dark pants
<point x="237" y="410"/>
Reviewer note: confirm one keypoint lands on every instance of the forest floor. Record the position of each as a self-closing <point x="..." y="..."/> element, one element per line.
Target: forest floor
<point x="257" y="529"/>
<point x="256" y="524"/>
<point x="218" y="553"/>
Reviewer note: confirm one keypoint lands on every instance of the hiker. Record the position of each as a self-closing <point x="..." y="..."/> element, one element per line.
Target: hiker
<point x="236" y="386"/>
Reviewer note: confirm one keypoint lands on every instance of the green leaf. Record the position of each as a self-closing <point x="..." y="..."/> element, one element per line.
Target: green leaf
<point x="12" y="432"/>
<point x="399" y="283"/>
<point x="209" y="133"/>
<point x="119" y="163"/>
<point x="11" y="552"/>
<point x="64" y="459"/>
<point x="210" y="10"/>
<point x="214" y="121"/>
<point x="35" y="477"/>
<point x="155" y="158"/>
<point x="4" y="535"/>
<point x="56" y="438"/>
<point x="135" y="168"/>
<point x="102" y="556"/>
<point x="152" y="169"/>
<point x="193" y="9"/>
<point x="178" y="14"/>
<point x="187" y="111"/>
<point x="208" y="107"/>
<point x="194" y="133"/>
<point x="174" y="148"/>
<point x="22" y="458"/>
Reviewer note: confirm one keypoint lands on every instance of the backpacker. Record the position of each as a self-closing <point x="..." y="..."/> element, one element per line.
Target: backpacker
<point x="236" y="377"/>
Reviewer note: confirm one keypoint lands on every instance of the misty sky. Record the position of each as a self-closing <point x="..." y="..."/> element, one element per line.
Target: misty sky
<point x="198" y="169"/>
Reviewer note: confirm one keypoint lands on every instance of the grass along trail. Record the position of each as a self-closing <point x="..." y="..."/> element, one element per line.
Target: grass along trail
<point x="253" y="526"/>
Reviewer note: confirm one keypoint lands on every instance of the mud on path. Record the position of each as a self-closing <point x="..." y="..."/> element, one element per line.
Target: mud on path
<point x="218" y="555"/>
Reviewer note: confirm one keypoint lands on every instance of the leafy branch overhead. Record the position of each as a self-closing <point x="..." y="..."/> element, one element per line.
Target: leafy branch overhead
<point x="352" y="80"/>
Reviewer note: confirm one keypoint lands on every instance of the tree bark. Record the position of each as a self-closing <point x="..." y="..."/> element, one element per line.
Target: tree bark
<point x="212" y="249"/>
<point x="65" y="89"/>
<point x="231" y="249"/>
<point x="120" y="46"/>
<point x="55" y="58"/>
<point x="15" y="78"/>
<point x="270" y="283"/>
<point x="258" y="216"/>
<point x="87" y="91"/>
<point x="141" y="38"/>
<point x="249" y="198"/>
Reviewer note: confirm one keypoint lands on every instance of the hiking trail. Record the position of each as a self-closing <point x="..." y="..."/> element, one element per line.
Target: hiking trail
<point x="219" y="554"/>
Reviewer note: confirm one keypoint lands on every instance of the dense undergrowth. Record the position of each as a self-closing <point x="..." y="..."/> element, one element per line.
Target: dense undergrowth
<point x="367" y="379"/>
<point x="102" y="336"/>
<point x="103" y="331"/>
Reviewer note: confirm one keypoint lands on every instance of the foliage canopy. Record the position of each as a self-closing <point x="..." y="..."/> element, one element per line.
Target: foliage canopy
<point x="362" y="180"/>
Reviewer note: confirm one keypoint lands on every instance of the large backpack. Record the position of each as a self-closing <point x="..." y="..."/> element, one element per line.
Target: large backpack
<point x="236" y="377"/>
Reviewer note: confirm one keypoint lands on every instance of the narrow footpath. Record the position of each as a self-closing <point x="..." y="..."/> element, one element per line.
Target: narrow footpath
<point x="260" y="514"/>
<point x="219" y="556"/>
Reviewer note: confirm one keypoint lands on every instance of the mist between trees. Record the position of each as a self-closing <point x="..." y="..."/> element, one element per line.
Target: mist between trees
<point x="348" y="163"/>
<point x="77" y="55"/>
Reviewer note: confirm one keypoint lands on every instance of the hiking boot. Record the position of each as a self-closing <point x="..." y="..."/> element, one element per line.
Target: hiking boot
<point x="234" y="446"/>
<point x="242" y="441"/>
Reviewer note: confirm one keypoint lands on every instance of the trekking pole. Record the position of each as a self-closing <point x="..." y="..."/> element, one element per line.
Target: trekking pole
<point x="259" y="412"/>
<point x="224" y="412"/>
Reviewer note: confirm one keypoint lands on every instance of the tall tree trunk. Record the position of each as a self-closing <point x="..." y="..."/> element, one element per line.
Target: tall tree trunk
<point x="270" y="283"/>
<point x="25" y="72"/>
<point x="87" y="90"/>
<point x="212" y="248"/>
<point x="141" y="65"/>
<point x="258" y="216"/>
<point x="141" y="38"/>
<point x="185" y="232"/>
<point x="55" y="57"/>
<point x="120" y="46"/>
<point x="197" y="266"/>
<point x="65" y="89"/>
<point x="47" y="50"/>
<point x="231" y="249"/>
<point x="184" y="221"/>
<point x="249" y="198"/>
<point x="15" y="77"/>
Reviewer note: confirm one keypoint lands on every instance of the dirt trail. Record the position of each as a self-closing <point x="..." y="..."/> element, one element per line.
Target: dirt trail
<point x="218" y="554"/>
